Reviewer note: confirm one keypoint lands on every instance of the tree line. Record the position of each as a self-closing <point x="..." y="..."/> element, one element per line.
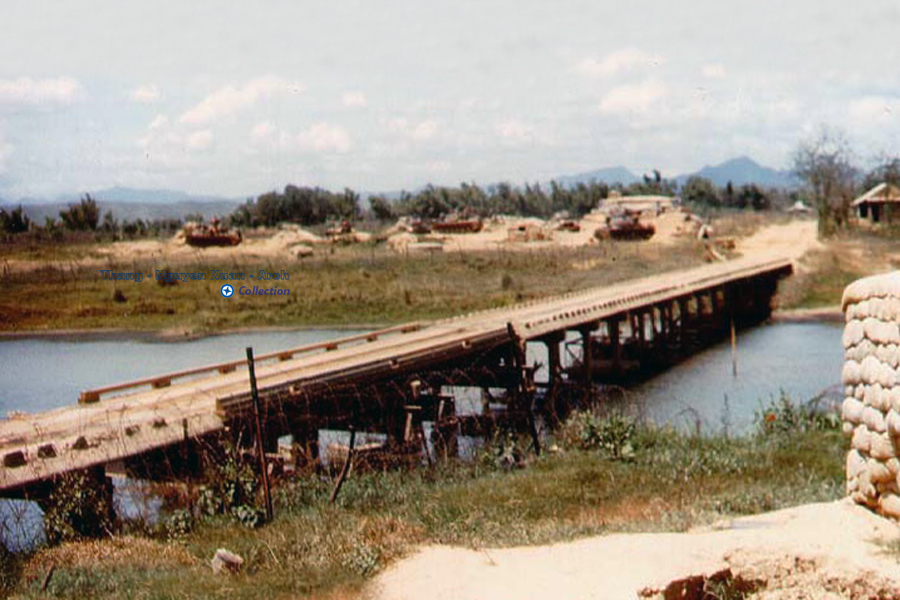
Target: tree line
<point x="823" y="164"/>
<point x="85" y="217"/>
<point x="308" y="206"/>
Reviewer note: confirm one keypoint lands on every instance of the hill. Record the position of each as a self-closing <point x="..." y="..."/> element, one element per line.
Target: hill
<point x="743" y="170"/>
<point x="608" y="175"/>
<point x="132" y="203"/>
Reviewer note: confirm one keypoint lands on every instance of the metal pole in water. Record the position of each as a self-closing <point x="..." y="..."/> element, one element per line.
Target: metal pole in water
<point x="733" y="350"/>
<point x="260" y="448"/>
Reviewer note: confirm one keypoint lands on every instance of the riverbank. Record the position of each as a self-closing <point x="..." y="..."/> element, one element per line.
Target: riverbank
<point x="338" y="288"/>
<point x="827" y="314"/>
<point x="650" y="479"/>
<point x="822" y="314"/>
<point x="169" y="335"/>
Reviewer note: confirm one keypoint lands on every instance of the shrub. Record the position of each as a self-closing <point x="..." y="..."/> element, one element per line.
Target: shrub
<point x="505" y="450"/>
<point x="785" y="416"/>
<point x="231" y="488"/>
<point x="614" y="434"/>
<point x="77" y="508"/>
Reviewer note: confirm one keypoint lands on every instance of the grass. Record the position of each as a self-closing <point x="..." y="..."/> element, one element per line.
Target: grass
<point x="823" y="284"/>
<point x="825" y="273"/>
<point x="669" y="481"/>
<point x="366" y="284"/>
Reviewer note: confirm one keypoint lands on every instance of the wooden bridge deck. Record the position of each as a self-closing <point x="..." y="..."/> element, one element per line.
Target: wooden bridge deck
<point x="165" y="410"/>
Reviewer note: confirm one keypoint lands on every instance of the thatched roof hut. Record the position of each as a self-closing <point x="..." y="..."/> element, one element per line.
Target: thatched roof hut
<point x="882" y="202"/>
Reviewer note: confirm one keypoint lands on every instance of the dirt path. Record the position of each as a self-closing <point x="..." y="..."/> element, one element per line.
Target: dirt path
<point x="791" y="240"/>
<point x="832" y="550"/>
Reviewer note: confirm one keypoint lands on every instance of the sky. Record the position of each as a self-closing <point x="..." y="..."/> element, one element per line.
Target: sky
<point x="237" y="98"/>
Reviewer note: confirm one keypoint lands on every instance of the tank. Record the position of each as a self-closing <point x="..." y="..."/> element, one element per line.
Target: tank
<point x="625" y="225"/>
<point x="201" y="235"/>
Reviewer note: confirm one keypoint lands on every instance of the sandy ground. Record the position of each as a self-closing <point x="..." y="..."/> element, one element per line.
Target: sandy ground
<point x="791" y="240"/>
<point x="495" y="235"/>
<point x="830" y="550"/>
<point x="288" y="243"/>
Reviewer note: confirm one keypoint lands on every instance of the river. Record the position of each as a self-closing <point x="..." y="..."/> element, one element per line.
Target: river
<point x="800" y="359"/>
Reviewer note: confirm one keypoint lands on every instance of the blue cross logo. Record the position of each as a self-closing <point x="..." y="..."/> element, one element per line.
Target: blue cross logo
<point x="227" y="291"/>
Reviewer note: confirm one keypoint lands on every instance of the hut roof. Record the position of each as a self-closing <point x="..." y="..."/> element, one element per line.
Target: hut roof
<point x="881" y="193"/>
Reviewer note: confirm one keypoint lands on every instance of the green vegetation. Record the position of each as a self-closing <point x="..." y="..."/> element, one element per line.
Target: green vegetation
<point x="666" y="481"/>
<point x="303" y="205"/>
<point x="79" y="223"/>
<point x="702" y="193"/>
<point x="363" y="284"/>
<point x="822" y="287"/>
<point x="310" y="207"/>
<point x="84" y="216"/>
<point x="824" y="273"/>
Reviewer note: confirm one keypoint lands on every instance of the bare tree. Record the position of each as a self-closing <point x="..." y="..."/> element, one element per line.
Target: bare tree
<point x="886" y="170"/>
<point x="824" y="164"/>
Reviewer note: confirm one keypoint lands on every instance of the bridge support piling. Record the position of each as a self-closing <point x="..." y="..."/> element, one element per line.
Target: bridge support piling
<point x="682" y="325"/>
<point x="615" y="340"/>
<point x="554" y="376"/>
<point x="444" y="431"/>
<point x="305" y="440"/>
<point x="587" y="355"/>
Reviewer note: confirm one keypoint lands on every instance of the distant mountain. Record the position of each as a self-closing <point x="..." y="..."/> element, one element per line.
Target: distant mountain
<point x="132" y="203"/>
<point x="147" y="196"/>
<point x="133" y="210"/>
<point x="740" y="171"/>
<point x="608" y="175"/>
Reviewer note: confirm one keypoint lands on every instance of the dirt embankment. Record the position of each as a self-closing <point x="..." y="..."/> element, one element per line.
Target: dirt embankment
<point x="815" y="551"/>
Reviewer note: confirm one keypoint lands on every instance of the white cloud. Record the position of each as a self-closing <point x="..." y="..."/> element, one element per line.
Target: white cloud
<point x="714" y="71"/>
<point x="874" y="110"/>
<point x="424" y="130"/>
<point x="513" y="130"/>
<point x="166" y="144"/>
<point x="158" y="122"/>
<point x="323" y="137"/>
<point x="230" y="100"/>
<point x="145" y="94"/>
<point x="261" y="131"/>
<point x="199" y="140"/>
<point x="421" y="131"/>
<point x="636" y="98"/>
<point x="36" y="92"/>
<point x="617" y="62"/>
<point x="354" y="99"/>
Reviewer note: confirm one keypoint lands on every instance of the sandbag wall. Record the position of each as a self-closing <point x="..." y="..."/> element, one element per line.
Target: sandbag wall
<point x="871" y="376"/>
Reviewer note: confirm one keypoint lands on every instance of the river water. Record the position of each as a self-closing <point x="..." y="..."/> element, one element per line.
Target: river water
<point x="802" y="360"/>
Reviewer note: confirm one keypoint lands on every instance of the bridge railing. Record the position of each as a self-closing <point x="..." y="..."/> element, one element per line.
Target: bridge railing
<point x="165" y="380"/>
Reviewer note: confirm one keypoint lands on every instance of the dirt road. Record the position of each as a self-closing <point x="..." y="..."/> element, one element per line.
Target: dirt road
<point x="816" y="551"/>
<point x="791" y="240"/>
